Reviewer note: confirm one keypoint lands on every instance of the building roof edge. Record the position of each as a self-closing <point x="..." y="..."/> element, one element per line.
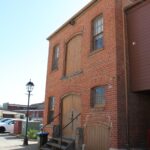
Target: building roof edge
<point x="72" y="18"/>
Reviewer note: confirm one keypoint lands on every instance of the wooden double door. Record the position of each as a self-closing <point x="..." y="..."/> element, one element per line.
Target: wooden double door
<point x="70" y="109"/>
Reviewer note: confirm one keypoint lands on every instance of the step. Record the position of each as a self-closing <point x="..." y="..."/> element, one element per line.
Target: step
<point x="45" y="148"/>
<point x="67" y="141"/>
<point x="56" y="145"/>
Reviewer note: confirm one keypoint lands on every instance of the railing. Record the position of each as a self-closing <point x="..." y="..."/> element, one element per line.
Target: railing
<point x="42" y="129"/>
<point x="61" y="129"/>
<point x="71" y="121"/>
<point x="67" y="126"/>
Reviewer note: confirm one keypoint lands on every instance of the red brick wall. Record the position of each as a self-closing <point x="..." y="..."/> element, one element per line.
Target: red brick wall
<point x="15" y="108"/>
<point x="17" y="127"/>
<point x="98" y="68"/>
<point x="121" y="93"/>
<point x="36" y="114"/>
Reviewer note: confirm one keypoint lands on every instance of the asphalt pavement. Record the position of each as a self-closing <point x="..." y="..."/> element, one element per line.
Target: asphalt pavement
<point x="12" y="142"/>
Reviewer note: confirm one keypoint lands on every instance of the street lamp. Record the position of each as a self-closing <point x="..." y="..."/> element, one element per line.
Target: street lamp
<point x="29" y="87"/>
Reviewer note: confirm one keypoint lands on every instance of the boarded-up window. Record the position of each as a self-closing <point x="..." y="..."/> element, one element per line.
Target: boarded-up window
<point x="97" y="33"/>
<point x="73" y="57"/>
<point x="55" y="58"/>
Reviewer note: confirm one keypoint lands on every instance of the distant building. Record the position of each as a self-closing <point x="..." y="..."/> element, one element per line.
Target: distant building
<point x="37" y="106"/>
<point x="35" y="110"/>
<point x="11" y="114"/>
<point x="8" y="106"/>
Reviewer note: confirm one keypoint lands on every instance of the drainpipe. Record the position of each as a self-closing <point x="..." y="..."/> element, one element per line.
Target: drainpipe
<point x="60" y="109"/>
<point x="126" y="80"/>
<point x="126" y="103"/>
<point x="126" y="83"/>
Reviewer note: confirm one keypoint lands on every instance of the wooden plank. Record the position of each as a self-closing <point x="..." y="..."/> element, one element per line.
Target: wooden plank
<point x="71" y="108"/>
<point x="73" y="61"/>
<point x="97" y="137"/>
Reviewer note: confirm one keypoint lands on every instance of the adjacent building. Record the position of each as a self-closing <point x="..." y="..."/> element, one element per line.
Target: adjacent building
<point x="35" y="110"/>
<point x="11" y="107"/>
<point x="98" y="75"/>
<point x="11" y="114"/>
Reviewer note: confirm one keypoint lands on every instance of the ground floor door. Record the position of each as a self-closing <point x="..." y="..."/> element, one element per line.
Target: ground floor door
<point x="70" y="109"/>
<point x="97" y="137"/>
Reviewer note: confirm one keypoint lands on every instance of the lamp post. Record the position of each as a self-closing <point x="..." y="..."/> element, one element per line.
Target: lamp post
<point x="29" y="87"/>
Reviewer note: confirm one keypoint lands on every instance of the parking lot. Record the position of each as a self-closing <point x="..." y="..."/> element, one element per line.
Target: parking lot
<point x="11" y="142"/>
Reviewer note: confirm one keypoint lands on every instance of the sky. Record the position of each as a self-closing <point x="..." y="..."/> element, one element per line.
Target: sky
<point x="24" y="27"/>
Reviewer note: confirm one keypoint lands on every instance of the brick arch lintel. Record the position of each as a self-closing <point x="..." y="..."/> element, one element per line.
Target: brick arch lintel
<point x="69" y="93"/>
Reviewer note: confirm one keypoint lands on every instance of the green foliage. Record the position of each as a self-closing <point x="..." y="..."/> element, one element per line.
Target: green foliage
<point x="32" y="134"/>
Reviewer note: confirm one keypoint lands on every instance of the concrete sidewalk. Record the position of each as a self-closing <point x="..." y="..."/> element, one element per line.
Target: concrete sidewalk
<point x="10" y="142"/>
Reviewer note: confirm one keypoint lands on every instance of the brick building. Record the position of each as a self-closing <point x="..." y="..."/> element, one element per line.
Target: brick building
<point x="35" y="110"/>
<point x="8" y="106"/>
<point x="95" y="77"/>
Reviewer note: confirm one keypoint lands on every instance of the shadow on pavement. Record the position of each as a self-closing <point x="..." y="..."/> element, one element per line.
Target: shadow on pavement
<point x="10" y="137"/>
<point x="29" y="147"/>
<point x="4" y="134"/>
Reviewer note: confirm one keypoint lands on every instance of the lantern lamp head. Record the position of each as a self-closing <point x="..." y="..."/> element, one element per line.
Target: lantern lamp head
<point x="30" y="86"/>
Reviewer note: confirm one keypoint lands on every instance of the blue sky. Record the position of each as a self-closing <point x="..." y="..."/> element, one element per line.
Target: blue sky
<point x="24" y="27"/>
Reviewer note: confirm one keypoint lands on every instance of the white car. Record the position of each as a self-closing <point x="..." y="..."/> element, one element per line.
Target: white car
<point x="4" y="119"/>
<point x="7" y="126"/>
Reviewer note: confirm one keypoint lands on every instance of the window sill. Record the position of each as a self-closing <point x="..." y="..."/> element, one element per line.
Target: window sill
<point x="52" y="109"/>
<point x="54" y="70"/>
<point x="72" y="75"/>
<point x="92" y="52"/>
<point x="100" y="107"/>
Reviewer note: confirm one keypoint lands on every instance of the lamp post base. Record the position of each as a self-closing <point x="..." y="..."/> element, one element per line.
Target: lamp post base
<point x="25" y="142"/>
